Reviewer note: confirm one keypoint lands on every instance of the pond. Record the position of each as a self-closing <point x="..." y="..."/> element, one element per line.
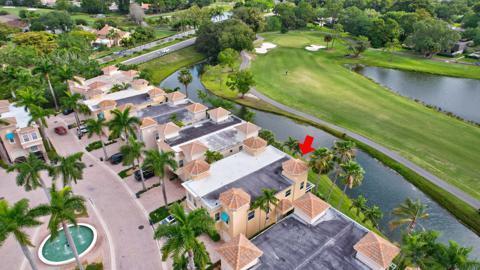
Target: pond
<point x="382" y="186"/>
<point x="456" y="95"/>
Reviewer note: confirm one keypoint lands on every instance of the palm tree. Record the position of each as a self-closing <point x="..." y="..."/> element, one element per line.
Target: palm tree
<point x="374" y="214"/>
<point x="28" y="97"/>
<point x="185" y="78"/>
<point x="132" y="152"/>
<point x="352" y="176"/>
<point x="321" y="162"/>
<point x="95" y="126"/>
<point x="123" y="123"/>
<point x="70" y="168"/>
<point x="158" y="162"/>
<point x="29" y="173"/>
<point x="44" y="66"/>
<point x="14" y="219"/>
<point x="455" y="257"/>
<point x="71" y="102"/>
<point x="291" y="144"/>
<point x="360" y="203"/>
<point x="181" y="236"/>
<point x="343" y="151"/>
<point x="65" y="72"/>
<point x="64" y="208"/>
<point x="39" y="115"/>
<point x="265" y="202"/>
<point x="417" y="249"/>
<point x="409" y="212"/>
<point x="212" y="156"/>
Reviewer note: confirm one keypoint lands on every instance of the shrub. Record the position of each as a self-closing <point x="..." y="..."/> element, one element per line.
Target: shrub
<point x="125" y="173"/>
<point x="97" y="145"/>
<point x="81" y="21"/>
<point x="215" y="236"/>
<point x="3" y="12"/>
<point x="158" y="214"/>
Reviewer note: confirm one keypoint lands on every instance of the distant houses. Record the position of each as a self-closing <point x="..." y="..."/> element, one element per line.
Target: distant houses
<point x="110" y="36"/>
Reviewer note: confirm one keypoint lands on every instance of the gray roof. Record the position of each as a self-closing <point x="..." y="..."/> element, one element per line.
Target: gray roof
<point x="268" y="177"/>
<point x="327" y="245"/>
<point x="201" y="129"/>
<point x="163" y="112"/>
<point x="138" y="99"/>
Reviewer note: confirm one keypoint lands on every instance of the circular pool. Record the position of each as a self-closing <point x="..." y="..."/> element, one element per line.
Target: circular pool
<point x="57" y="251"/>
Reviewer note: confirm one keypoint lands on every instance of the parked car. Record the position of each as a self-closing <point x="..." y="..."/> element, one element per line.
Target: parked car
<point x="147" y="174"/>
<point x="83" y="129"/>
<point x="168" y="220"/>
<point x="60" y="130"/>
<point x="116" y="158"/>
<point x="67" y="111"/>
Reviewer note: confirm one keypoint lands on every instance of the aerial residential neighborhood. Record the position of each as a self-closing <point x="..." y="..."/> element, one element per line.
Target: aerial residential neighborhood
<point x="252" y="134"/>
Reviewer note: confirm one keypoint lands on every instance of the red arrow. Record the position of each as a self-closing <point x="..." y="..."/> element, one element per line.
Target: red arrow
<point x="306" y="146"/>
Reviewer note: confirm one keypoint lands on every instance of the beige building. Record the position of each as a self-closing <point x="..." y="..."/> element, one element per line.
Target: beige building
<point x="228" y="187"/>
<point x="315" y="236"/>
<point x="110" y="36"/>
<point x="18" y="137"/>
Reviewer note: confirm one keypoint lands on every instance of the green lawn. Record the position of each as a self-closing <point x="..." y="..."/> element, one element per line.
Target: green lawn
<point x="318" y="84"/>
<point x="163" y="66"/>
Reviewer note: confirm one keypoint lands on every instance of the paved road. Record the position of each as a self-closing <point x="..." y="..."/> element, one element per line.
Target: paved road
<point x="134" y="248"/>
<point x="160" y="52"/>
<point x="394" y="155"/>
<point x="146" y="46"/>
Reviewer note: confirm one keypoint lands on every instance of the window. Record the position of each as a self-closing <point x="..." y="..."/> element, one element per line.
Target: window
<point x="34" y="148"/>
<point x="231" y="150"/>
<point x="240" y="148"/>
<point x="217" y="216"/>
<point x="34" y="136"/>
<point x="302" y="185"/>
<point x="101" y="115"/>
<point x="225" y="218"/>
<point x="251" y="215"/>
<point x="189" y="197"/>
<point x="180" y="163"/>
<point x="288" y="192"/>
<point x="26" y="138"/>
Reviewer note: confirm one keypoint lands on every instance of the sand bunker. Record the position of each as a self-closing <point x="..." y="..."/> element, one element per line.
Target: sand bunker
<point x="266" y="46"/>
<point x="314" y="48"/>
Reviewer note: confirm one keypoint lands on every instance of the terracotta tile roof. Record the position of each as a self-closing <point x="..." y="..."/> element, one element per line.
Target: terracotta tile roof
<point x="193" y="148"/>
<point x="130" y="73"/>
<point x="196" y="167"/>
<point x="284" y="205"/>
<point x="109" y="68"/>
<point x="247" y="128"/>
<point x="105" y="30"/>
<point x="239" y="252"/>
<point x="106" y="104"/>
<point x="125" y="106"/>
<point x="175" y="96"/>
<point x="218" y="112"/>
<point x="148" y="121"/>
<point x="377" y="249"/>
<point x="196" y="107"/>
<point x="140" y="82"/>
<point x="295" y="166"/>
<point x="96" y="85"/>
<point x="155" y="92"/>
<point x="255" y="143"/>
<point x="311" y="205"/>
<point x="234" y="198"/>
<point x="168" y="128"/>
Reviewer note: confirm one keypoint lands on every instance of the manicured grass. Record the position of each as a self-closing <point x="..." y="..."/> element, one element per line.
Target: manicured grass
<point x="318" y="84"/>
<point x="162" y="67"/>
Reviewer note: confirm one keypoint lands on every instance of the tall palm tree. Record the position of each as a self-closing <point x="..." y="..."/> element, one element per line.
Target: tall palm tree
<point x="39" y="115"/>
<point x="181" y="236"/>
<point x="455" y="257"/>
<point x="343" y="151"/>
<point x="65" y="72"/>
<point x="185" y="78"/>
<point x="374" y="214"/>
<point x="360" y="203"/>
<point x="29" y="97"/>
<point x="321" y="162"/>
<point x="265" y="202"/>
<point x="123" y="123"/>
<point x="14" y="220"/>
<point x="63" y="208"/>
<point x="29" y="173"/>
<point x="159" y="162"/>
<point x="132" y="152"/>
<point x="95" y="127"/>
<point x="417" y="249"/>
<point x="69" y="168"/>
<point x="352" y="176"/>
<point x="44" y="67"/>
<point x="291" y="144"/>
<point x="409" y="213"/>
<point x="71" y="102"/>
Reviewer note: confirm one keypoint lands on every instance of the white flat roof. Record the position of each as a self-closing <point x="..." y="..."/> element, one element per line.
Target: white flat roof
<point x="129" y="92"/>
<point x="19" y="113"/>
<point x="232" y="168"/>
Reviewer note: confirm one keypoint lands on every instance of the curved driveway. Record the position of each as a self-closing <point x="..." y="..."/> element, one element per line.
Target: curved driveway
<point x="394" y="155"/>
